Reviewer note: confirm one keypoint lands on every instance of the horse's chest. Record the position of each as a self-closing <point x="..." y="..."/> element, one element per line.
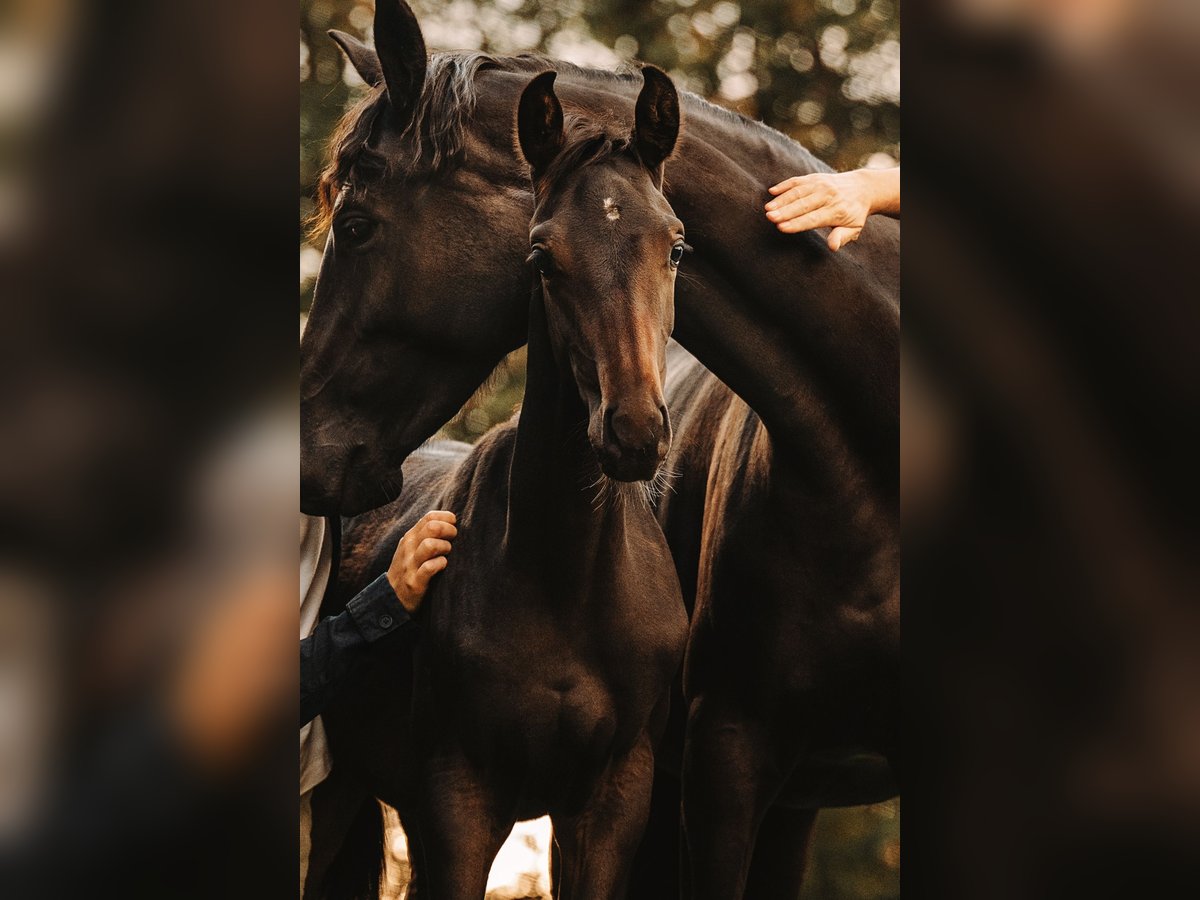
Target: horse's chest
<point x="557" y="671"/>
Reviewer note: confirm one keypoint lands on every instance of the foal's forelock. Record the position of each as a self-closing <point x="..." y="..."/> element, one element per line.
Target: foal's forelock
<point x="585" y="144"/>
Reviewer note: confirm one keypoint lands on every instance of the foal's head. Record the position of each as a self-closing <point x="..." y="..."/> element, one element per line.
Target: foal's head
<point x="606" y="246"/>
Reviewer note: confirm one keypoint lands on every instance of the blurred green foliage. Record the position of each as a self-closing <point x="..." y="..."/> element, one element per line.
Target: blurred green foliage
<point x="855" y="854"/>
<point x="495" y="402"/>
<point x="826" y="72"/>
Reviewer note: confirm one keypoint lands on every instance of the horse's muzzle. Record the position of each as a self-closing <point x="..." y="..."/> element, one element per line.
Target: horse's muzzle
<point x="636" y="439"/>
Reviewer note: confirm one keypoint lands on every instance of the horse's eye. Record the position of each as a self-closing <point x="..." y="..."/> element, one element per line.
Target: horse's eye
<point x="540" y="258"/>
<point x="676" y="254"/>
<point x="356" y="230"/>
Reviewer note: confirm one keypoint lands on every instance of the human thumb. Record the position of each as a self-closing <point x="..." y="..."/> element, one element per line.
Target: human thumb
<point x="839" y="237"/>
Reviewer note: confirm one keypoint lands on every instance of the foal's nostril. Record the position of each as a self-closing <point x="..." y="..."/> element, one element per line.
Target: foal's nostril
<point x="610" y="434"/>
<point x="634" y="429"/>
<point x="635" y="439"/>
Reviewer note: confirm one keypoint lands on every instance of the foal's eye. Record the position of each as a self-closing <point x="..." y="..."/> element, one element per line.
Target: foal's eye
<point x="540" y="258"/>
<point x="676" y="254"/>
<point x="356" y="230"/>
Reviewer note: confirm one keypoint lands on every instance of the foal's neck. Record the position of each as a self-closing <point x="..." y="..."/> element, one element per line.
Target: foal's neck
<point x="550" y="508"/>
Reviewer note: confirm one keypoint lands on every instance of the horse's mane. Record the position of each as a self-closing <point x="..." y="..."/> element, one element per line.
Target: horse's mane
<point x="446" y="106"/>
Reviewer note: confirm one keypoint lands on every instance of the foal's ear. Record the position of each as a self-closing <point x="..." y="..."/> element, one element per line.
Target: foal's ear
<point x="402" y="57"/>
<point x="540" y="123"/>
<point x="656" y="118"/>
<point x="362" y="57"/>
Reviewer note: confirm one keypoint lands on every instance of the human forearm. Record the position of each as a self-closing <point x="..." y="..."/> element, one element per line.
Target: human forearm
<point x="338" y="643"/>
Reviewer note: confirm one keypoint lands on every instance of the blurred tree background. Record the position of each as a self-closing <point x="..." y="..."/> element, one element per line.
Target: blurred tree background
<point x="825" y="72"/>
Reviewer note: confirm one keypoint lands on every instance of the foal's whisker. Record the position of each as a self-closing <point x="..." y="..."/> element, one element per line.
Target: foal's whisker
<point x="610" y="492"/>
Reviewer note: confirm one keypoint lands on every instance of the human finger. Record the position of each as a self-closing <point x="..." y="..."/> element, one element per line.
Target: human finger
<point x="839" y="237"/>
<point x="427" y="570"/>
<point x="817" y="218"/>
<point x="438" y="528"/>
<point x="431" y="547"/>
<point x="826" y="213"/>
<point x="787" y="183"/>
<point x="440" y="515"/>
<point x="794" y="194"/>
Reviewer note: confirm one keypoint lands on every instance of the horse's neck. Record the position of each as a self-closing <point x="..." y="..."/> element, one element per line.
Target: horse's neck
<point x="549" y="504"/>
<point x="808" y="337"/>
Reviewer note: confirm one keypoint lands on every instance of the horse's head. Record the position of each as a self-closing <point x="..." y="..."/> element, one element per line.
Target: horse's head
<point x="421" y="290"/>
<point x="606" y="246"/>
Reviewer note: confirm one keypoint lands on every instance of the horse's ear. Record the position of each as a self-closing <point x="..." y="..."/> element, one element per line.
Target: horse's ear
<point x="540" y="122"/>
<point x="656" y="118"/>
<point x="402" y="57"/>
<point x="362" y="57"/>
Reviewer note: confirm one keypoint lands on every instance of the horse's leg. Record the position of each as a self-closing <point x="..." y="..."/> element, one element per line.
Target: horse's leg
<point x="780" y="854"/>
<point x="461" y="831"/>
<point x="655" y="874"/>
<point x="597" y="846"/>
<point x="731" y="772"/>
<point x="335" y="806"/>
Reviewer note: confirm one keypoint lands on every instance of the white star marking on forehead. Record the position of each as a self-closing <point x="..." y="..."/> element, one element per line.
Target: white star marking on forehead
<point x="612" y="212"/>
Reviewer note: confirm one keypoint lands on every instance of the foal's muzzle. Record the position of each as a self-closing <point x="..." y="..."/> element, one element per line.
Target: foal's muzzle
<point x="636" y="438"/>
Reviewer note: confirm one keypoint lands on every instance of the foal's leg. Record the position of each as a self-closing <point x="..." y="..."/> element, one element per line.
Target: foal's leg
<point x="596" y="847"/>
<point x="780" y="854"/>
<point x="461" y="832"/>
<point x="731" y="773"/>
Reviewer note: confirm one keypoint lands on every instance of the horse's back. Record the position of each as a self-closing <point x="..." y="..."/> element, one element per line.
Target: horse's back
<point x="369" y="539"/>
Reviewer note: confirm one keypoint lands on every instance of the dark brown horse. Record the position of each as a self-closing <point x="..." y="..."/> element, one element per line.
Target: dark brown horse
<point x="422" y="292"/>
<point x="792" y="679"/>
<point x="552" y="639"/>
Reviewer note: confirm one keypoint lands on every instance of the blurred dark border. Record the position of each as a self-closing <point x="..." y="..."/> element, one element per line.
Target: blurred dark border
<point x="1049" y="410"/>
<point x="149" y="269"/>
<point x="1049" y="441"/>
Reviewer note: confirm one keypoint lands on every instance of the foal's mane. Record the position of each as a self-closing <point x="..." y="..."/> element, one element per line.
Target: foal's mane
<point x="444" y="112"/>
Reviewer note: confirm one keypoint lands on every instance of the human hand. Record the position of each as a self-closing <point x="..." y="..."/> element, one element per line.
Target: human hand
<point x="420" y="555"/>
<point x="839" y="201"/>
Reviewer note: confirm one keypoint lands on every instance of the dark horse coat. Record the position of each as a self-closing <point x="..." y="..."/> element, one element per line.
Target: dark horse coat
<point x="550" y="641"/>
<point x="406" y="325"/>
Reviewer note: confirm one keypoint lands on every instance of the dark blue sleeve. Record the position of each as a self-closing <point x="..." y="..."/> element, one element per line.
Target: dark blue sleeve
<point x="338" y="644"/>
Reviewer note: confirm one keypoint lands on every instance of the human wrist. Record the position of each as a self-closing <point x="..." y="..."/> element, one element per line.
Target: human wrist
<point x="402" y="592"/>
<point x="883" y="187"/>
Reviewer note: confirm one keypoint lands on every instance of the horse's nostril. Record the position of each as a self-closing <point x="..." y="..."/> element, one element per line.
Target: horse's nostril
<point x="610" y="434"/>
